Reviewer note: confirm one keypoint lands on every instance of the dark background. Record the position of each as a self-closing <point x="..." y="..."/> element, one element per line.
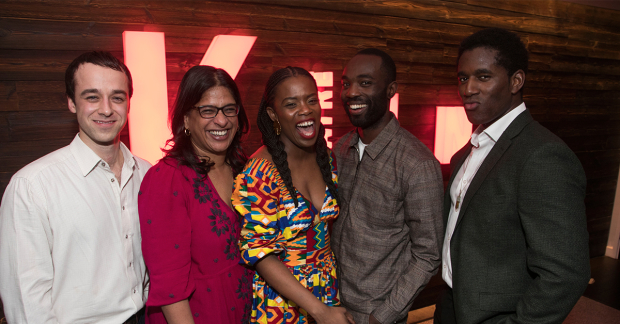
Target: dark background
<point x="573" y="86"/>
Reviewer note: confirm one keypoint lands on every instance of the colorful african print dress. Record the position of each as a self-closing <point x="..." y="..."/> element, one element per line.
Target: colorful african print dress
<point x="299" y="236"/>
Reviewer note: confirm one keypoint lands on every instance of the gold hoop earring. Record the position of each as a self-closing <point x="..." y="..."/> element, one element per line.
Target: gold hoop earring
<point x="276" y="127"/>
<point x="187" y="132"/>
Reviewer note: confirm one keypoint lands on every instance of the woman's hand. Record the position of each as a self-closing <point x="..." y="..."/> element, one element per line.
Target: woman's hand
<point x="333" y="315"/>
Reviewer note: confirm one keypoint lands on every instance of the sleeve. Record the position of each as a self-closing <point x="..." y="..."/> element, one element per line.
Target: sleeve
<point x="423" y="205"/>
<point x="265" y="225"/>
<point x="26" y="270"/>
<point x="552" y="210"/>
<point x="166" y="234"/>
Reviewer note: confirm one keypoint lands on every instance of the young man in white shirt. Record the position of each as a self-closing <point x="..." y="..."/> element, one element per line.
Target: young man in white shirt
<point x="69" y="228"/>
<point x="516" y="242"/>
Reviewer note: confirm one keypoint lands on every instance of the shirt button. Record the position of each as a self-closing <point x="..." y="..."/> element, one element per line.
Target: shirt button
<point x="112" y="180"/>
<point x="134" y="290"/>
<point x="126" y="236"/>
<point x="130" y="264"/>
<point x="102" y="163"/>
<point x="123" y="207"/>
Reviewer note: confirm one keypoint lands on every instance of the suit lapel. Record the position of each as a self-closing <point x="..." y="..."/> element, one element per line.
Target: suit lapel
<point x="498" y="150"/>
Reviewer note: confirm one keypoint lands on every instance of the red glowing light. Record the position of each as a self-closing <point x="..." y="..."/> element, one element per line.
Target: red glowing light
<point x="145" y="56"/>
<point x="452" y="131"/>
<point x="325" y="79"/>
<point x="394" y="105"/>
<point x="228" y="52"/>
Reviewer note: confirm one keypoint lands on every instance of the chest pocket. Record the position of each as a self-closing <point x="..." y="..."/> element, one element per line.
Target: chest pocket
<point x="377" y="200"/>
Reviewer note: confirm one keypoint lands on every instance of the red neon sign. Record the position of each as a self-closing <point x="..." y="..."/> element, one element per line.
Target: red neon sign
<point x="228" y="52"/>
<point x="452" y="131"/>
<point x="323" y="80"/>
<point x="394" y="105"/>
<point x="145" y="55"/>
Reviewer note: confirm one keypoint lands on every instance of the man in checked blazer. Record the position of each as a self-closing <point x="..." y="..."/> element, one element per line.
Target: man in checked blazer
<point x="516" y="243"/>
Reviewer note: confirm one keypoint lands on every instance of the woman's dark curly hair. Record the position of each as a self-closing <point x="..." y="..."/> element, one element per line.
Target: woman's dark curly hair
<point x="195" y="82"/>
<point x="273" y="143"/>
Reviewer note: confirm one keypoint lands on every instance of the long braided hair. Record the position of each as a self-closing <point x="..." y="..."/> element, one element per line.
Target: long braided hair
<point x="276" y="147"/>
<point x="195" y="82"/>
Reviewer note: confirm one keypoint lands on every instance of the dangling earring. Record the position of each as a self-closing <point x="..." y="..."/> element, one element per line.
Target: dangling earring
<point x="187" y="132"/>
<point x="276" y="127"/>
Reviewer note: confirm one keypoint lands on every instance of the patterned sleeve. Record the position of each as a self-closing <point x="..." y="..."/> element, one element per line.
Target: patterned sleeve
<point x="256" y="198"/>
<point x="165" y="226"/>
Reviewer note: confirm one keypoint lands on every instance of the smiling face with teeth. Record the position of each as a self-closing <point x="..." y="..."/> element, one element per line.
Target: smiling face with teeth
<point x="212" y="136"/>
<point x="296" y="106"/>
<point x="365" y="92"/>
<point x="101" y="104"/>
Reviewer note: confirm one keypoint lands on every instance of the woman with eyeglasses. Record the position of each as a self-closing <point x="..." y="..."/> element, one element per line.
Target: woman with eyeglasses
<point x="189" y="229"/>
<point x="287" y="196"/>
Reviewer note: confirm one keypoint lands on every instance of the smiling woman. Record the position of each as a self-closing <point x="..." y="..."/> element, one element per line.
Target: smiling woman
<point x="287" y="196"/>
<point x="189" y="230"/>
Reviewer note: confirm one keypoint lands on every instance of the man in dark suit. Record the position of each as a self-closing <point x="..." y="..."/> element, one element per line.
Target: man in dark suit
<point x="516" y="243"/>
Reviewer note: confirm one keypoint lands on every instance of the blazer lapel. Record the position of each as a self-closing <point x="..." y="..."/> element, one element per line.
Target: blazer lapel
<point x="503" y="143"/>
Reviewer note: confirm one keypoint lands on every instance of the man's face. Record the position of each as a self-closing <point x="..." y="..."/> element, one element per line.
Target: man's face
<point x="364" y="90"/>
<point x="101" y="103"/>
<point x="484" y="86"/>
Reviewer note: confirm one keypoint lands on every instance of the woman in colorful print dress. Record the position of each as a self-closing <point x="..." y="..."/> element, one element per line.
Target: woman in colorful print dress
<point x="189" y="229"/>
<point x="286" y="236"/>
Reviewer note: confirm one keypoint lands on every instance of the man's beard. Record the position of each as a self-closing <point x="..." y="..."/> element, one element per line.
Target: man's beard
<point x="376" y="109"/>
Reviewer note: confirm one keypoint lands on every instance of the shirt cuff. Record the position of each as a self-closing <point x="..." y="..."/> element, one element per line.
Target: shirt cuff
<point x="386" y="315"/>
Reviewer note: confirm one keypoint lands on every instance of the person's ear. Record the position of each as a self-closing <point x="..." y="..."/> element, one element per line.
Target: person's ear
<point x="391" y="89"/>
<point x="71" y="105"/>
<point x="517" y="80"/>
<point x="271" y="113"/>
<point x="186" y="122"/>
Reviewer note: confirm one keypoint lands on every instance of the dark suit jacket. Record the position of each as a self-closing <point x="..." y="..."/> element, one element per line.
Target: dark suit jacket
<point x="520" y="246"/>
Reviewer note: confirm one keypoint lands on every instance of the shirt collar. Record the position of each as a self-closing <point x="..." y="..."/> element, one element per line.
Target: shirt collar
<point x="495" y="131"/>
<point x="382" y="140"/>
<point x="87" y="159"/>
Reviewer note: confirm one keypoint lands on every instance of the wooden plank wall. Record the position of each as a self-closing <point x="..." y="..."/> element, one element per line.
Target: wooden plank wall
<point x="573" y="87"/>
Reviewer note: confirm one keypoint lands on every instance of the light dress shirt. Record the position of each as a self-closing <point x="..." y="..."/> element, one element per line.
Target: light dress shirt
<point x="482" y="141"/>
<point x="360" y="147"/>
<point x="70" y="240"/>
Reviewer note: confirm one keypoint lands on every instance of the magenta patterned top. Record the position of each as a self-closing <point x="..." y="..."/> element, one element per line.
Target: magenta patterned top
<point x="189" y="243"/>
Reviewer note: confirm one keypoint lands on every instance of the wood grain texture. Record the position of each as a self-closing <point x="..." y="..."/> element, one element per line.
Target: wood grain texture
<point x="573" y="86"/>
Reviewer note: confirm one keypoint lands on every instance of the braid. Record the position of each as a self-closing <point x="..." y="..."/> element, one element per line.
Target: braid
<point x="276" y="147"/>
<point x="270" y="139"/>
<point x="322" y="158"/>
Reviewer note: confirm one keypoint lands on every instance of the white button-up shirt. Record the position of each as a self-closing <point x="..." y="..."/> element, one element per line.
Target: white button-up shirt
<point x="70" y="240"/>
<point x="482" y="141"/>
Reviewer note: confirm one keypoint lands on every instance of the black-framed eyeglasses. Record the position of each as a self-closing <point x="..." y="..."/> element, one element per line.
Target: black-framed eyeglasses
<point x="209" y="111"/>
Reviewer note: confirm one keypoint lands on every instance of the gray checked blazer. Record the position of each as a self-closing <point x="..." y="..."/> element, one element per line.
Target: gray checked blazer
<point x="520" y="246"/>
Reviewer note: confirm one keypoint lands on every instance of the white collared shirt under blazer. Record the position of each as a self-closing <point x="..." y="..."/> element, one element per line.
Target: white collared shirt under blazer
<point x="482" y="141"/>
<point x="70" y="240"/>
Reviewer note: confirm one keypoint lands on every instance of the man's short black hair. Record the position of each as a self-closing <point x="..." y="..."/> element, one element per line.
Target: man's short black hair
<point x="100" y="58"/>
<point x="511" y="52"/>
<point x="387" y="63"/>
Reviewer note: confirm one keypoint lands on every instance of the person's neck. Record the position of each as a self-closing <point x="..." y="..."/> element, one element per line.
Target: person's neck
<point x="371" y="132"/>
<point x="295" y="154"/>
<point x="218" y="160"/>
<point x="110" y="153"/>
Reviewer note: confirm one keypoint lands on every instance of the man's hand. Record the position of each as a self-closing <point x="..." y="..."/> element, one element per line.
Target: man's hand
<point x="373" y="320"/>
